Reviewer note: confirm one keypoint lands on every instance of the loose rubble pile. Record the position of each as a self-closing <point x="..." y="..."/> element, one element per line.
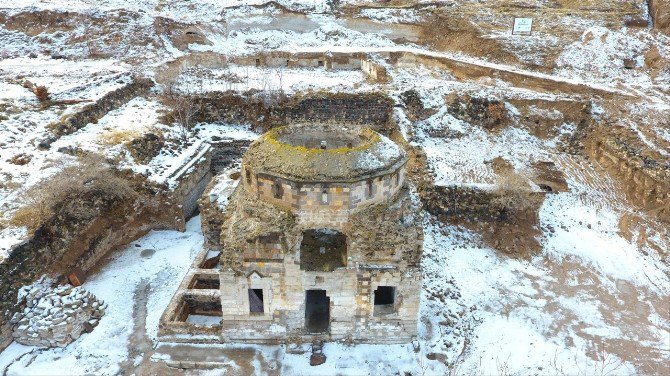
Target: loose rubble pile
<point x="54" y="317"/>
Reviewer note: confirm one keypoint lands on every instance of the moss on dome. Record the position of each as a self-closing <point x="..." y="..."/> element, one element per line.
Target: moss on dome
<point x="272" y="155"/>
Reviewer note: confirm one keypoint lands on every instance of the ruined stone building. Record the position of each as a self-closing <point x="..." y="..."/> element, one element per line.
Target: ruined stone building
<point x="320" y="240"/>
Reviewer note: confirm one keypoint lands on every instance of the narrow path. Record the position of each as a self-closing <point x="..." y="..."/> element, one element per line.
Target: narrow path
<point x="140" y="346"/>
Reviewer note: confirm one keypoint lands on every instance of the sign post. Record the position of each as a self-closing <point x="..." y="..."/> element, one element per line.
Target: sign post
<point x="522" y="26"/>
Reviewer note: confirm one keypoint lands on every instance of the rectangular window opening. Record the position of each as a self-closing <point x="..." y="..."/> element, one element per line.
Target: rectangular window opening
<point x="384" y="300"/>
<point x="256" y="301"/>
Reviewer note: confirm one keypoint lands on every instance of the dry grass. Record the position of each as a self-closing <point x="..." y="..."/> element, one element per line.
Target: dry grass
<point x="118" y="136"/>
<point x="77" y="193"/>
<point x="512" y="192"/>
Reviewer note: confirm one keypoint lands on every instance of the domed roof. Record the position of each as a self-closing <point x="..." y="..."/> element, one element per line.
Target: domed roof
<point x="317" y="153"/>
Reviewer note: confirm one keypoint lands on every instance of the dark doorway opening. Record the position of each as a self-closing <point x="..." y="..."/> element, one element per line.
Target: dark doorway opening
<point x="384" y="300"/>
<point x="255" y="300"/>
<point x="317" y="311"/>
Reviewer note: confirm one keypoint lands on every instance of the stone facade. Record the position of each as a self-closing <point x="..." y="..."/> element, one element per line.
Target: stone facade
<point x="302" y="256"/>
<point x="316" y="201"/>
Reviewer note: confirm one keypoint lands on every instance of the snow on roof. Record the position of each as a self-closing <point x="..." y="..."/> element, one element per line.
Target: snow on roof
<point x="274" y="154"/>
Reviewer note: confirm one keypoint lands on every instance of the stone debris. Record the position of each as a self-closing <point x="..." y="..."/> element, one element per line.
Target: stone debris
<point x="317" y="358"/>
<point x="55" y="316"/>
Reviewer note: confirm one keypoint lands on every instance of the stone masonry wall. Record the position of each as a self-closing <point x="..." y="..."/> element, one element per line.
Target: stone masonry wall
<point x="94" y="111"/>
<point x="351" y="294"/>
<point x="324" y="202"/>
<point x="372" y="109"/>
<point x="224" y="152"/>
<point x="192" y="184"/>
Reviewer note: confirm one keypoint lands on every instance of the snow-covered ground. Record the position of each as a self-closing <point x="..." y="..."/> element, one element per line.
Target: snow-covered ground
<point x="156" y="262"/>
<point x="580" y="307"/>
<point x="593" y="301"/>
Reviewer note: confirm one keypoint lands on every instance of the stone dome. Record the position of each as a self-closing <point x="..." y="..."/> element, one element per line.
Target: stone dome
<point x="323" y="153"/>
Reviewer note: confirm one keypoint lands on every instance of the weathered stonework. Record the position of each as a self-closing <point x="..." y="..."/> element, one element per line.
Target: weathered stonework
<point x="306" y="254"/>
<point x="373" y="109"/>
<point x="225" y="151"/>
<point x="94" y="111"/>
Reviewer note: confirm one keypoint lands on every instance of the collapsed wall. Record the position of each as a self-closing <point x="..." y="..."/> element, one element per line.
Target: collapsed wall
<point x="55" y="315"/>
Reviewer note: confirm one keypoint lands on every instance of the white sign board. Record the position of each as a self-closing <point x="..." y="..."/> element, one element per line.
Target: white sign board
<point x="522" y="26"/>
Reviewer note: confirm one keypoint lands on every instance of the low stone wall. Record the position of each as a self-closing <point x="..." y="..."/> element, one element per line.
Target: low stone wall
<point x="110" y="101"/>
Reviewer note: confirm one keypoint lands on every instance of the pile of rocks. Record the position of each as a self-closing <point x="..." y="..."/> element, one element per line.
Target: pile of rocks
<point x="54" y="317"/>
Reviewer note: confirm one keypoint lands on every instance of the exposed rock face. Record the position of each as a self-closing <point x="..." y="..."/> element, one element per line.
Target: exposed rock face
<point x="660" y="13"/>
<point x="54" y="317"/>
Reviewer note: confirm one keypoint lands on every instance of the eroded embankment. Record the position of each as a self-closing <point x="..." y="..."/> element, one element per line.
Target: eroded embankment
<point x="76" y="230"/>
<point x="645" y="172"/>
